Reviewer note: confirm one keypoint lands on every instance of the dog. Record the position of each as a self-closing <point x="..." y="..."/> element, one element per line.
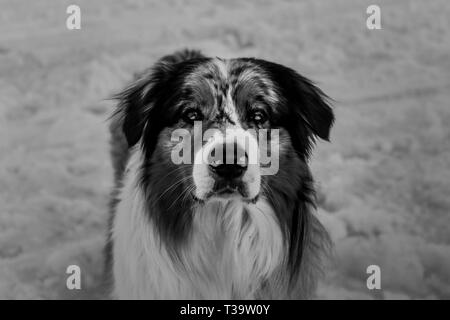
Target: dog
<point x="215" y="229"/>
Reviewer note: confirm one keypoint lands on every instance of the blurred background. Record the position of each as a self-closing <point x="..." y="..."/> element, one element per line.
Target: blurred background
<point x="384" y="181"/>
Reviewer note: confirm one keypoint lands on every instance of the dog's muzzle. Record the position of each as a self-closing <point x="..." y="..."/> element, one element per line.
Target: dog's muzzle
<point x="226" y="170"/>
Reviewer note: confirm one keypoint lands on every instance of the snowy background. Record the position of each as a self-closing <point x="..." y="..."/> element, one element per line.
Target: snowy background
<point x="384" y="180"/>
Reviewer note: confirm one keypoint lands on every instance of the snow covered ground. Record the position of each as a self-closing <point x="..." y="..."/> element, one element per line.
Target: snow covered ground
<point x="384" y="180"/>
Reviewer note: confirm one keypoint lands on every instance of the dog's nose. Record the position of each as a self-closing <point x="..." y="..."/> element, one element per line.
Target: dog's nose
<point x="234" y="162"/>
<point x="228" y="171"/>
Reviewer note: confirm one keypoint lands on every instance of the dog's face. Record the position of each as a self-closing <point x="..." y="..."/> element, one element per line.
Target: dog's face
<point x="210" y="112"/>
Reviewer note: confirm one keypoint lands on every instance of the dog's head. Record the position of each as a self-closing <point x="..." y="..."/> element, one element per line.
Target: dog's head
<point x="205" y="124"/>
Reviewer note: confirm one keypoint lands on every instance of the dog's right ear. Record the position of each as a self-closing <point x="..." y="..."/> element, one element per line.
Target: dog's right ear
<point x="136" y="102"/>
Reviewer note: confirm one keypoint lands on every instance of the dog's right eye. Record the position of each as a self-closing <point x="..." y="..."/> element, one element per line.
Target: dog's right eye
<point x="192" y="115"/>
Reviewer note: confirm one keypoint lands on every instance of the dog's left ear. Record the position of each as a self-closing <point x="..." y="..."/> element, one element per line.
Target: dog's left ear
<point x="306" y="101"/>
<point x="311" y="105"/>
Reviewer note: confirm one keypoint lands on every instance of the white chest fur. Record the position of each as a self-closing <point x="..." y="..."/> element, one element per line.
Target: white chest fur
<point x="226" y="256"/>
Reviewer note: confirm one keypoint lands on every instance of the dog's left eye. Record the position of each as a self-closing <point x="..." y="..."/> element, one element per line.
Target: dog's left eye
<point x="258" y="117"/>
<point x="192" y="115"/>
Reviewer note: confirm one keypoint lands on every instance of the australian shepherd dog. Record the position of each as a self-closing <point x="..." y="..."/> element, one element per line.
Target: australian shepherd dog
<point x="214" y="198"/>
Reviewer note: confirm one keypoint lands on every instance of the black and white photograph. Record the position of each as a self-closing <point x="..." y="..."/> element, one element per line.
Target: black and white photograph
<point x="250" y="150"/>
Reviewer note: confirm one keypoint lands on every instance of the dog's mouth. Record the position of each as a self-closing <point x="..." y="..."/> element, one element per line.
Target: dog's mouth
<point x="227" y="192"/>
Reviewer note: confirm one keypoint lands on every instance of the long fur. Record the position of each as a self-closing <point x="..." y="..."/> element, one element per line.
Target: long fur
<point x="163" y="245"/>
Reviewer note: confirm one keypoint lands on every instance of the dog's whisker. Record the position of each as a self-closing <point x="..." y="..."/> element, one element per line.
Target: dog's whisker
<point x="173" y="186"/>
<point x="181" y="194"/>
